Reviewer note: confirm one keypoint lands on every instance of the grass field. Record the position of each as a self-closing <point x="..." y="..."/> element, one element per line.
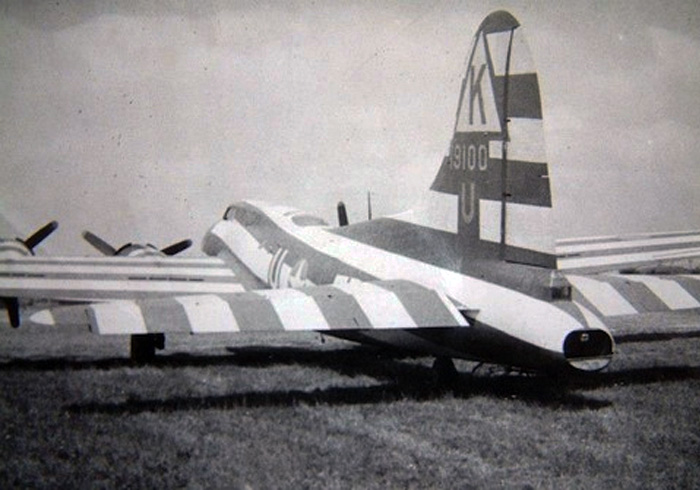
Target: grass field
<point x="292" y="412"/>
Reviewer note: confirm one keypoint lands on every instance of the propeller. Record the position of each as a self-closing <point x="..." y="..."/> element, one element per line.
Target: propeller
<point x="39" y="236"/>
<point x="107" y="249"/>
<point x="343" y="214"/>
<point x="97" y="242"/>
<point x="176" y="248"/>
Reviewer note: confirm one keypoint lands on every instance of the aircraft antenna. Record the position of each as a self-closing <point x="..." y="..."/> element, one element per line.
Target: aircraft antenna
<point x="369" y="206"/>
<point x="342" y="214"/>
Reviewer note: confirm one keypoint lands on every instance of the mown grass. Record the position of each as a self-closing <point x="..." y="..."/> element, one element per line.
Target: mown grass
<point x="291" y="412"/>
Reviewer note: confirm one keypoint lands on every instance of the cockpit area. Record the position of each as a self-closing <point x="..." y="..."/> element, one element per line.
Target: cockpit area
<point x="249" y="214"/>
<point x="308" y="220"/>
<point x="243" y="213"/>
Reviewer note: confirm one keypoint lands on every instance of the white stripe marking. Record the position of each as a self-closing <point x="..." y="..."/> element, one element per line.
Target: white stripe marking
<point x="526" y="225"/>
<point x="603" y="296"/>
<point x="529" y="227"/>
<point x="520" y="58"/>
<point x="381" y="306"/>
<point x="117" y="318"/>
<point x="668" y="291"/>
<point x="651" y="242"/>
<point x="524" y="317"/>
<point x="499" y="44"/>
<point x="146" y="270"/>
<point x="526" y="140"/>
<point x="673" y="254"/>
<point x="296" y="310"/>
<point x="208" y="314"/>
<point x="248" y="250"/>
<point x="124" y="261"/>
<point x="611" y="261"/>
<point x="90" y="288"/>
<point x="630" y="237"/>
<point x="490" y="220"/>
<point x="496" y="149"/>
<point x="461" y="321"/>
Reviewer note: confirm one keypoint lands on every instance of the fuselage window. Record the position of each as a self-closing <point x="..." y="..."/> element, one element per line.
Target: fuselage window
<point x="308" y="220"/>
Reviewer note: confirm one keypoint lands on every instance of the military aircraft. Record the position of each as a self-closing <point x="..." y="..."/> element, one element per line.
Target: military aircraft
<point x="472" y="272"/>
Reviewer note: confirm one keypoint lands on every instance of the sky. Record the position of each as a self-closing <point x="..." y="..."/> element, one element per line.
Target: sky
<point x="141" y="121"/>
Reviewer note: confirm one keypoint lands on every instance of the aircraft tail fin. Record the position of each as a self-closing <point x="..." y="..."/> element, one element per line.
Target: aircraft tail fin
<point x="495" y="178"/>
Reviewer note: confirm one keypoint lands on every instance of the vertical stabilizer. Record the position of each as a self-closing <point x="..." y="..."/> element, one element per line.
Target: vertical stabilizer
<point x="496" y="169"/>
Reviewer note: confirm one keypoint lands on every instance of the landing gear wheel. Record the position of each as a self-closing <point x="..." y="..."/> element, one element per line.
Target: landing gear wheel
<point x="446" y="372"/>
<point x="143" y="346"/>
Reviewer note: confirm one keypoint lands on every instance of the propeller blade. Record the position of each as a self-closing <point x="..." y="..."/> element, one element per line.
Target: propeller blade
<point x="97" y="242"/>
<point x="40" y="235"/>
<point x="176" y="248"/>
<point x="342" y="214"/>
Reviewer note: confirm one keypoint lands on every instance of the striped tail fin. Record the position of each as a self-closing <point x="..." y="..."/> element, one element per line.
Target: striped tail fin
<point x="497" y="167"/>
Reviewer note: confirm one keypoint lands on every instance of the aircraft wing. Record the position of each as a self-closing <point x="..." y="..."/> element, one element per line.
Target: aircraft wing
<point x="112" y="278"/>
<point x="627" y="252"/>
<point x="356" y="305"/>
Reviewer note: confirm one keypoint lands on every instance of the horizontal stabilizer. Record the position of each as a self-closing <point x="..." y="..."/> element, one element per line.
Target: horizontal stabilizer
<point x="612" y="295"/>
<point x="650" y="327"/>
<point x="360" y="305"/>
<point x="627" y="252"/>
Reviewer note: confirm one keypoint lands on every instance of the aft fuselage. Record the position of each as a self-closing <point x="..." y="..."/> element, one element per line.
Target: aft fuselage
<point x="513" y="320"/>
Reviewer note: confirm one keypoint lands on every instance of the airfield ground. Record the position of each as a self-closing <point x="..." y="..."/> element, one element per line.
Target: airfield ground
<point x="292" y="412"/>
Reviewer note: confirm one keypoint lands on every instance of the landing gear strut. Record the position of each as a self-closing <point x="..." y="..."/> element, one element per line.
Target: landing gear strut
<point x="12" y="305"/>
<point x="143" y="346"/>
<point x="446" y="372"/>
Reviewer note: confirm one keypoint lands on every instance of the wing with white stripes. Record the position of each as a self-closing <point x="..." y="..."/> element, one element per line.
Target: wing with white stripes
<point x="652" y="252"/>
<point x="642" y="307"/>
<point x="356" y="305"/>
<point x="111" y="278"/>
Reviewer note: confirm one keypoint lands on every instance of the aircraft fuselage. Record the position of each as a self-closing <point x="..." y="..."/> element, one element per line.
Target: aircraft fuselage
<point x="282" y="247"/>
